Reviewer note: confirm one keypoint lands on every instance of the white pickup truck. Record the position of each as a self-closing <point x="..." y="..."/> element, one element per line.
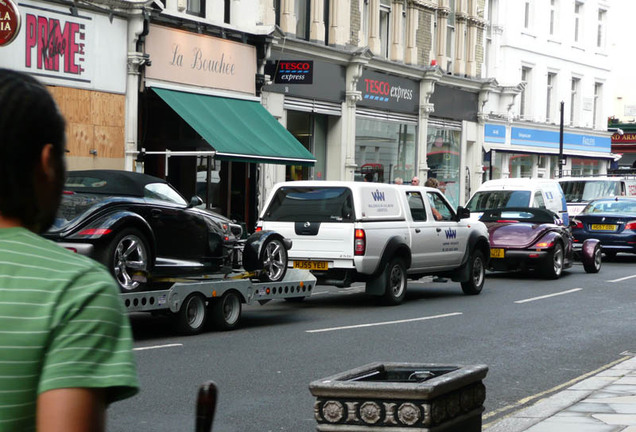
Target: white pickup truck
<point x="381" y="234"/>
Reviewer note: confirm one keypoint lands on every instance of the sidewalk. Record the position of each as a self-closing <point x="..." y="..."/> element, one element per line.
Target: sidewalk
<point x="605" y="402"/>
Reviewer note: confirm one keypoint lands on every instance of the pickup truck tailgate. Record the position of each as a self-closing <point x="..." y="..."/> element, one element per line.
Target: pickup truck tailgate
<point x="316" y="240"/>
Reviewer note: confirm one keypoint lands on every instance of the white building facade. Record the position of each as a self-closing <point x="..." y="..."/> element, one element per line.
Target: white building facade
<point x="558" y="54"/>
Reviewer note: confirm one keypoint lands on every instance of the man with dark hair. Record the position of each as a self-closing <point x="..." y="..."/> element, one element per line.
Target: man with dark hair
<point x="65" y="342"/>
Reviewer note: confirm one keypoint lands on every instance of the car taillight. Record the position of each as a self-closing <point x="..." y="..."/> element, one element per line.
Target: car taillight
<point x="544" y="244"/>
<point x="259" y="228"/>
<point x="95" y="232"/>
<point x="577" y="223"/>
<point x="359" y="242"/>
<point x="631" y="225"/>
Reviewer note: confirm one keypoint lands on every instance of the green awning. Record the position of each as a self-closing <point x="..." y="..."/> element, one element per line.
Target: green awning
<point x="238" y="130"/>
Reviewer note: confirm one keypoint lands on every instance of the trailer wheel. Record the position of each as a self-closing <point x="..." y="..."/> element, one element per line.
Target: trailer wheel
<point x="226" y="311"/>
<point x="192" y="315"/>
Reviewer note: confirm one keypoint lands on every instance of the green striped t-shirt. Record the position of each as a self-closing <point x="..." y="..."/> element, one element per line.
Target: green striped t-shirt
<point x="62" y="324"/>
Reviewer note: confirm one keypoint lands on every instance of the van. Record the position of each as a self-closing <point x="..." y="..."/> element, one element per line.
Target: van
<point x="581" y="190"/>
<point x="519" y="192"/>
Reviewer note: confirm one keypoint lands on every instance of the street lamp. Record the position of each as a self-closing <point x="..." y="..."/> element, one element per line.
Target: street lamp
<point x="561" y="159"/>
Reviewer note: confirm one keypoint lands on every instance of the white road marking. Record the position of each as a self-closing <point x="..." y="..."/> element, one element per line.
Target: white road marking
<point x="623" y="278"/>
<point x="549" y="295"/>
<point x="157" y="347"/>
<point x="383" y="323"/>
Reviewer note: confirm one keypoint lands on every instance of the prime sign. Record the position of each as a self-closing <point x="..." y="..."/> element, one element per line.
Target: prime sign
<point x="9" y="22"/>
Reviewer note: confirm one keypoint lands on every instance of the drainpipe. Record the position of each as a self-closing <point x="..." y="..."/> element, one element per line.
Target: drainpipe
<point x="137" y="31"/>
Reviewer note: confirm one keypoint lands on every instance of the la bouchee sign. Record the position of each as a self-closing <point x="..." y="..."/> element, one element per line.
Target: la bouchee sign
<point x="9" y="22"/>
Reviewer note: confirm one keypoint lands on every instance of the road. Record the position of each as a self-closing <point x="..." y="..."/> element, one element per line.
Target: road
<point x="533" y="334"/>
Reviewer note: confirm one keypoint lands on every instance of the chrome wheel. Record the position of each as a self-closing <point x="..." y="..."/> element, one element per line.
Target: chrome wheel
<point x="274" y="261"/>
<point x="130" y="256"/>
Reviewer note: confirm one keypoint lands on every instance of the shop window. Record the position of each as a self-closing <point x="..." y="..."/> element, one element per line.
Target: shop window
<point x="520" y="165"/>
<point x="443" y="159"/>
<point x="311" y="131"/>
<point x="385" y="150"/>
<point x="585" y="167"/>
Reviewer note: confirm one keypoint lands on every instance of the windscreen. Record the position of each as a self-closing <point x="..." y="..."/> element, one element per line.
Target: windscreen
<point x="577" y="191"/>
<point x="311" y="204"/>
<point x="486" y="200"/>
<point x="611" y="206"/>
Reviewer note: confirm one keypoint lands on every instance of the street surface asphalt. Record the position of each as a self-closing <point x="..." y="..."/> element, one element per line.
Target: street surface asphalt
<point x="534" y="335"/>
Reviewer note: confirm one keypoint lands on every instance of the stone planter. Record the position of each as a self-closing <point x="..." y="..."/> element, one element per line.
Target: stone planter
<point x="401" y="397"/>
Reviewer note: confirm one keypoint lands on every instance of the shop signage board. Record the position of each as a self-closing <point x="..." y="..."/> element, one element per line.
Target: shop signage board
<point x="550" y="140"/>
<point x="81" y="49"/>
<point x="327" y="80"/>
<point x="494" y="133"/>
<point x="388" y="92"/>
<point x="187" y="58"/>
<point x="9" y="22"/>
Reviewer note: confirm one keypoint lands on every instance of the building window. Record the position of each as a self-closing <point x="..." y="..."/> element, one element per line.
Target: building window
<point x="526" y="73"/>
<point x="574" y="100"/>
<point x="326" y="19"/>
<point x="385" y="22"/>
<point x="600" y="36"/>
<point x="277" y="11"/>
<point x="552" y="17"/>
<point x="578" y="11"/>
<point x="365" y="23"/>
<point x="549" y="97"/>
<point x="597" y="108"/>
<point x="302" y="19"/>
<point x="526" y="15"/>
<point x="450" y="35"/>
<point x="226" y="15"/>
<point x="196" y="8"/>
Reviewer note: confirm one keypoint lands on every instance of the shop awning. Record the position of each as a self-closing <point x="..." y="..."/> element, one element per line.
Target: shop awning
<point x="238" y="130"/>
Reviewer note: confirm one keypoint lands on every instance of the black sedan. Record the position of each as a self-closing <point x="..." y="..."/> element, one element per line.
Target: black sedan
<point x="140" y="227"/>
<point x="612" y="221"/>
<point x="524" y="238"/>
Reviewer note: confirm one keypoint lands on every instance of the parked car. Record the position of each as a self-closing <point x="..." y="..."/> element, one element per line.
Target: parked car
<point x="139" y="226"/>
<point x="377" y="233"/>
<point x="612" y="221"/>
<point x="519" y="192"/>
<point x="523" y="238"/>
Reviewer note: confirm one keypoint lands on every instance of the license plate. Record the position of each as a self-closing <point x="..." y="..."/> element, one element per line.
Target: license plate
<point x="603" y="227"/>
<point x="311" y="265"/>
<point x="496" y="253"/>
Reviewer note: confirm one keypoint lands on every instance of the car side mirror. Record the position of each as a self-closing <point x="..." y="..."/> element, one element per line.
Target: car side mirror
<point x="195" y="201"/>
<point x="463" y="213"/>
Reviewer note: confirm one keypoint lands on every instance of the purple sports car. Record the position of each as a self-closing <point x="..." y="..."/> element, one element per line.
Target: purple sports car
<point x="524" y="238"/>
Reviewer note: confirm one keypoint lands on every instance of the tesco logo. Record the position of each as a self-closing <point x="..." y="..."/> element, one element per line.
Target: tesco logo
<point x="378" y="87"/>
<point x="294" y="66"/>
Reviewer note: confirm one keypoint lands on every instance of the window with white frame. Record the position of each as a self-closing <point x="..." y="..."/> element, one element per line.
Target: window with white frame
<point x="365" y="23"/>
<point x="526" y="75"/>
<point x="385" y="24"/>
<point x="196" y="8"/>
<point x="302" y="19"/>
<point x="527" y="9"/>
<point x="596" y="110"/>
<point x="574" y="100"/>
<point x="578" y="16"/>
<point x="550" y="91"/>
<point x="450" y="35"/>
<point x="600" y="34"/>
<point x="553" y="17"/>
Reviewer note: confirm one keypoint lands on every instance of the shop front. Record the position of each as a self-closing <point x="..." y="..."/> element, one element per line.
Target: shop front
<point x="309" y="90"/>
<point x="86" y="73"/>
<point x="386" y="128"/>
<point x="512" y="152"/>
<point x="203" y="128"/>
<point x="448" y="147"/>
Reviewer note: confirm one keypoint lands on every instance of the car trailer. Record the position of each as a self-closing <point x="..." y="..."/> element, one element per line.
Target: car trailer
<point x="217" y="297"/>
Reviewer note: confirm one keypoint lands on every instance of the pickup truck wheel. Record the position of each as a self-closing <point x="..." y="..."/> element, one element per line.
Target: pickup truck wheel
<point x="395" y="285"/>
<point x="192" y="315"/>
<point x="477" y="272"/>
<point x="226" y="311"/>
